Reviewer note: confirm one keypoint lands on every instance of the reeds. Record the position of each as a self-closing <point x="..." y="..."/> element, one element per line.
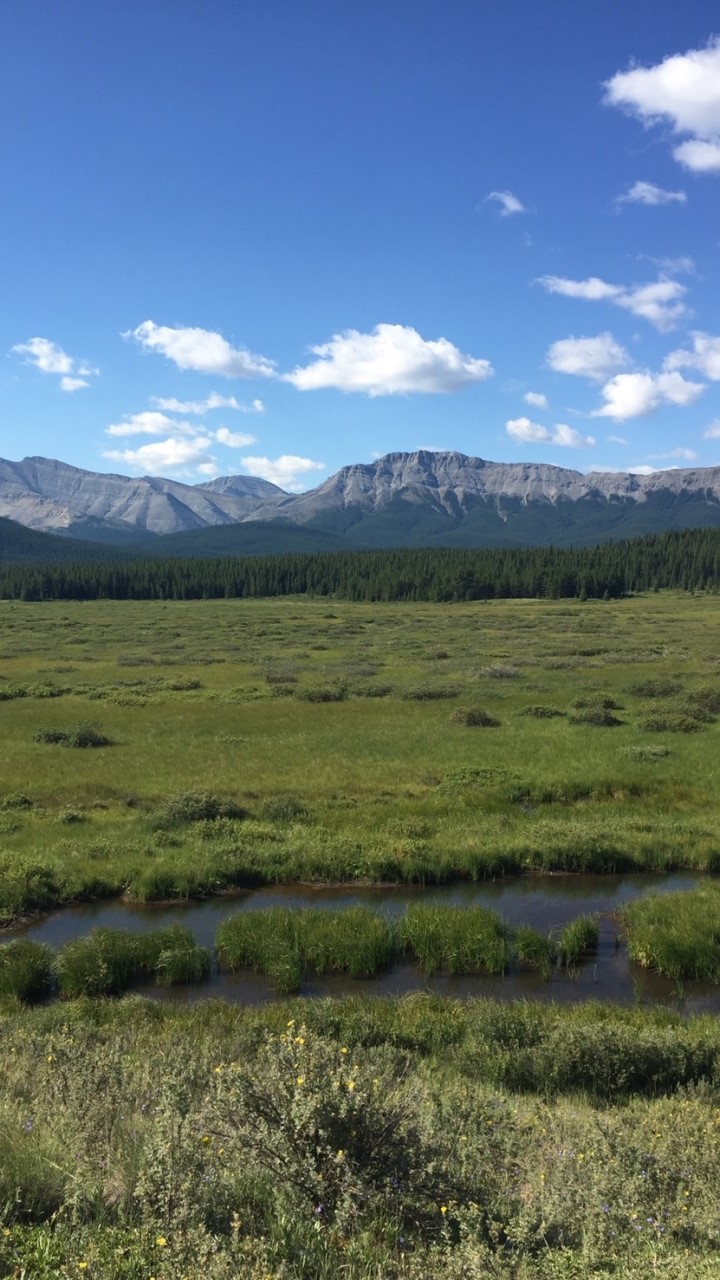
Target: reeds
<point x="25" y="969"/>
<point x="456" y="940"/>
<point x="108" y="961"/>
<point x="286" y="944"/>
<point x="677" y="934"/>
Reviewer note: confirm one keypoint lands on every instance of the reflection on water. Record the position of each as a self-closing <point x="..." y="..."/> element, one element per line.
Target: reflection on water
<point x="546" y="904"/>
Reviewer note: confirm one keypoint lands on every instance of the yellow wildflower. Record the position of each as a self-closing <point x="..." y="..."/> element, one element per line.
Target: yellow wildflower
<point x="351" y="1084"/>
<point x="160" y="1242"/>
<point x="301" y="1080"/>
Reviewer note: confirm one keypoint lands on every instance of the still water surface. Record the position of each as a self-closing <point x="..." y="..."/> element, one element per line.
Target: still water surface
<point x="545" y="903"/>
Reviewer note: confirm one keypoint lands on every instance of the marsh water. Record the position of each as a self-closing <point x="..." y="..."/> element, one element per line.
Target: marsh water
<point x="546" y="903"/>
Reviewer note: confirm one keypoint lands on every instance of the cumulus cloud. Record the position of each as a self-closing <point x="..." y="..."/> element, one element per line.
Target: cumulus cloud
<point x="683" y="90"/>
<point x="285" y="471"/>
<point x="172" y="454"/>
<point x="647" y="193"/>
<point x="594" y="358"/>
<point x="392" y="360"/>
<point x="705" y="356"/>
<point x="533" y="433"/>
<point x="641" y="470"/>
<point x="202" y="350"/>
<point x="536" y="399"/>
<point x="635" y="395"/>
<point x="213" y="401"/>
<point x="149" y="423"/>
<point x="712" y="432"/>
<point x="617" y="440"/>
<point x="232" y="439"/>
<point x="660" y="302"/>
<point x="509" y="203"/>
<point x="48" y="357"/>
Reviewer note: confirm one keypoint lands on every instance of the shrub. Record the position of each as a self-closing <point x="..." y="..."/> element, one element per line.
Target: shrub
<point x="596" y="717"/>
<point x="196" y="806"/>
<point x="337" y="1130"/>
<point x="657" y="688"/>
<point x="473" y="716"/>
<point x="669" y="722"/>
<point x="646" y="753"/>
<point x="82" y="735"/>
<point x="323" y="693"/>
<point x="500" y="671"/>
<point x="542" y="713"/>
<point x="429" y="692"/>
<point x="16" y="800"/>
<point x="598" y="701"/>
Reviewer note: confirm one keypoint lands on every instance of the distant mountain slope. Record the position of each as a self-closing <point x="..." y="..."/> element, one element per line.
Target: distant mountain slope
<point x="56" y="498"/>
<point x="401" y="500"/>
<point x="19" y="545"/>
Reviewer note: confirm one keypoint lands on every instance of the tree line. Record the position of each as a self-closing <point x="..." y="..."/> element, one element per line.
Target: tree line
<point x="688" y="559"/>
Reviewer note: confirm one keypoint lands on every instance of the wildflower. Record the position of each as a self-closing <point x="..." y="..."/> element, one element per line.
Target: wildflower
<point x="341" y="1154"/>
<point x="299" y="1039"/>
<point x="160" y="1242"/>
<point x="82" y="1266"/>
<point x="300" y="1080"/>
<point x="344" y="1050"/>
<point x="351" y="1085"/>
<point x="49" y="1057"/>
<point x="443" y="1208"/>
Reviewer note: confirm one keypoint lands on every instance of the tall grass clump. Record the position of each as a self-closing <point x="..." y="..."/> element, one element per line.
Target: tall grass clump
<point x="25" y="969"/>
<point x="196" y="806"/>
<point x="533" y="948"/>
<point x="102" y="963"/>
<point x="457" y="940"/>
<point x="577" y="939"/>
<point x="677" y="934"/>
<point x="286" y="944"/>
<point x="107" y="961"/>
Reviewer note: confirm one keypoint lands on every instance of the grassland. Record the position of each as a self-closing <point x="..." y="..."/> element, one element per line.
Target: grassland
<point x="251" y="742"/>
<point x="261" y="741"/>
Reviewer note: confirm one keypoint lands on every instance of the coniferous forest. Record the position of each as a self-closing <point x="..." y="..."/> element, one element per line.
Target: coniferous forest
<point x="689" y="560"/>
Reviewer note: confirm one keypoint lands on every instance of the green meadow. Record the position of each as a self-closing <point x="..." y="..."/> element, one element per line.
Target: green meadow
<point x="167" y="750"/>
<point x="172" y="750"/>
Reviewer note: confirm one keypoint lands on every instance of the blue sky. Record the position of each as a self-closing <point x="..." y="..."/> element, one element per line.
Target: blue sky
<point x="278" y="236"/>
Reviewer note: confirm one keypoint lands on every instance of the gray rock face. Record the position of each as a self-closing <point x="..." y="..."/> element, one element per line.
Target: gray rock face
<point x="57" y="498"/>
<point x="455" y="483"/>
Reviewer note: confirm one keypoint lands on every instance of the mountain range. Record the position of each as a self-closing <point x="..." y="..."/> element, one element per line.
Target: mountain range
<point x="424" y="498"/>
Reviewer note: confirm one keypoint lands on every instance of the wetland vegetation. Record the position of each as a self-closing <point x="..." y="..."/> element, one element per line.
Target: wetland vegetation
<point x="241" y="743"/>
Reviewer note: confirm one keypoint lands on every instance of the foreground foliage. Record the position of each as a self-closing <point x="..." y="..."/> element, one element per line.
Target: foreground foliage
<point x="363" y="1138"/>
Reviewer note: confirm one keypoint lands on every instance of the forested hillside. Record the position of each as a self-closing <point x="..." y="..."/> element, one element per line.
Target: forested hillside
<point x="689" y="560"/>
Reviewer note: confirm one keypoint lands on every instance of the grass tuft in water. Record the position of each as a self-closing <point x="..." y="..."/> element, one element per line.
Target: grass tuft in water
<point x="677" y="934"/>
<point x="457" y="940"/>
<point x="25" y="969"/>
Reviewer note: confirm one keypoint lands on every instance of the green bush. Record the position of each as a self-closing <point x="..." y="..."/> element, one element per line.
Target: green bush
<point x="82" y="736"/>
<point x="473" y="716"/>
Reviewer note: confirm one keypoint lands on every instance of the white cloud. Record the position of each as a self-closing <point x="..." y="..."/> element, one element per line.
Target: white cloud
<point x="509" y="204"/>
<point x="594" y="358"/>
<point x="533" y="433"/>
<point x="233" y="439"/>
<point x="634" y="395"/>
<point x="284" y="471"/>
<point x="213" y="401"/>
<point x="48" y="357"/>
<point x="647" y="193"/>
<point x="683" y="89"/>
<point x="592" y="290"/>
<point x="536" y="399"/>
<point x="149" y="423"/>
<point x="688" y="455"/>
<point x="392" y="360"/>
<point x="701" y="157"/>
<point x="705" y="356"/>
<point x="168" y="455"/>
<point x="202" y="350"/>
<point x="616" y="440"/>
<point x="659" y="302"/>
<point x="712" y="431"/>
<point x="642" y="470"/>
